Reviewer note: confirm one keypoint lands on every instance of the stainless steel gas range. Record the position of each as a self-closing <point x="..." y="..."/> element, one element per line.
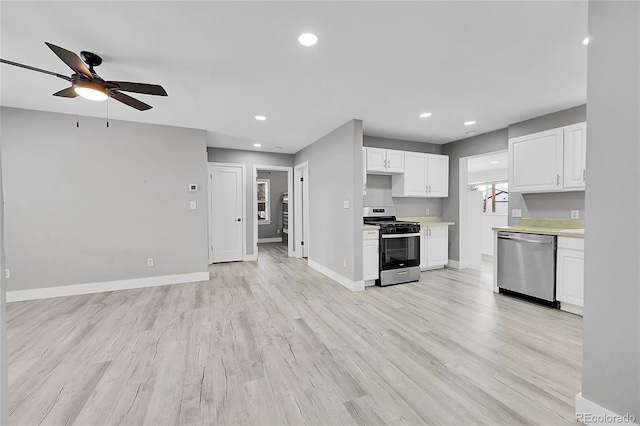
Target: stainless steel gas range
<point x="399" y="246"/>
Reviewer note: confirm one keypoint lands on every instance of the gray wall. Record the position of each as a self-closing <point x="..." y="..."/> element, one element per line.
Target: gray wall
<point x="611" y="362"/>
<point x="379" y="194"/>
<point x="551" y="205"/>
<point x="379" y="186"/>
<point x="249" y="158"/>
<point x="4" y="373"/>
<point x="335" y="175"/>
<point x="401" y="145"/>
<point x="481" y="144"/>
<point x="278" y="185"/>
<point x="92" y="204"/>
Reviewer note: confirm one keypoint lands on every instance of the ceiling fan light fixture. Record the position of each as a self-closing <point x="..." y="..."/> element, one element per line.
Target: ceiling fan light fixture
<point x="90" y="90"/>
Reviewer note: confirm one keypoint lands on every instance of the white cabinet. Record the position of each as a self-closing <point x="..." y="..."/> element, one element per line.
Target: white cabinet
<point x="575" y="157"/>
<point x="425" y="175"/>
<point x="370" y="256"/>
<point x="549" y="161"/>
<point x="384" y="161"/>
<point x="535" y="162"/>
<point x="570" y="274"/>
<point x="434" y="247"/>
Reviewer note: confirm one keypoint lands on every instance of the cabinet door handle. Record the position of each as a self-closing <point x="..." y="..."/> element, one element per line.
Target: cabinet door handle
<point x="385" y="164"/>
<point x="429" y="189"/>
<point x="557" y="180"/>
<point x="584" y="175"/>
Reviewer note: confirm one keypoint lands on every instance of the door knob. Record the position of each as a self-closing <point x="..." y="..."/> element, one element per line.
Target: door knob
<point x="238" y="220"/>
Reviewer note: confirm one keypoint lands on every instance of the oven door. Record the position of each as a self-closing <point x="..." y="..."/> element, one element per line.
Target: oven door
<point x="399" y="251"/>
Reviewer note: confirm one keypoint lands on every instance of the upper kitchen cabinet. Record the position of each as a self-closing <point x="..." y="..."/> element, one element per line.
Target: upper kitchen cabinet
<point x="549" y="161"/>
<point x="384" y="161"/>
<point x="575" y="157"/>
<point x="425" y="175"/>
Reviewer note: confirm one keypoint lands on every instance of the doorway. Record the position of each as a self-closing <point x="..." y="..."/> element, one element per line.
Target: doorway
<point x="227" y="212"/>
<point x="272" y="198"/>
<point x="301" y="209"/>
<point x="483" y="201"/>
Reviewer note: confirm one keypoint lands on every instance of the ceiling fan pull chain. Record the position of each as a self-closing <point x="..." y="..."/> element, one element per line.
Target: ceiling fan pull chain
<point x="107" y="112"/>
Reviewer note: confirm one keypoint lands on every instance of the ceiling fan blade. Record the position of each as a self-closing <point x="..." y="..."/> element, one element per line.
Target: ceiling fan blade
<point x="66" y="93"/>
<point x="71" y="59"/>
<point x="16" y="64"/>
<point x="147" y="89"/>
<point x="128" y="100"/>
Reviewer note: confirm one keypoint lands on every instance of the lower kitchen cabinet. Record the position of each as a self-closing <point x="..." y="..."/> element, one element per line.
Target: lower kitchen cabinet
<point x="434" y="247"/>
<point x="370" y="257"/>
<point x="570" y="274"/>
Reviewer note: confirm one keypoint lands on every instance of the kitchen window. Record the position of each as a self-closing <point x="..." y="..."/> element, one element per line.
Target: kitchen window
<point x="264" y="207"/>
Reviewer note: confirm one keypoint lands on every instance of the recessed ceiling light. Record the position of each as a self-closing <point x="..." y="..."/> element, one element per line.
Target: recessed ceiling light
<point x="495" y="162"/>
<point x="257" y="145"/>
<point x="260" y="117"/>
<point x="425" y="115"/>
<point x="470" y="132"/>
<point x="278" y="148"/>
<point x="586" y="41"/>
<point x="308" y="39"/>
<point x="469" y="123"/>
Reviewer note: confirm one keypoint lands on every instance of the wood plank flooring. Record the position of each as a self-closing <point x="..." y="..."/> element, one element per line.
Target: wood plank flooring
<point x="274" y="342"/>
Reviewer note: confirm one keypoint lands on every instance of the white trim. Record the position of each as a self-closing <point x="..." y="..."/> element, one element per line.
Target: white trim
<point x="585" y="406"/>
<point x="342" y="280"/>
<point x="453" y="264"/>
<point x="301" y="213"/>
<point x="243" y="167"/>
<point x="573" y="309"/>
<point x="250" y="257"/>
<point x="100" y="287"/>
<point x="369" y="283"/>
<point x="289" y="170"/>
<point x="270" y="240"/>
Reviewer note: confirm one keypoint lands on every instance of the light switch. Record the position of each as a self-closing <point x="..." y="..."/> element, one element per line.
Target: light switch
<point x="193" y="187"/>
<point x="345" y="204"/>
<point x="516" y="212"/>
<point x="575" y="214"/>
<point x="193" y="205"/>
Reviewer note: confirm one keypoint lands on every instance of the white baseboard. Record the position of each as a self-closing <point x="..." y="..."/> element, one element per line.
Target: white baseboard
<point x="454" y="264"/>
<point x="250" y="257"/>
<point x="588" y="412"/>
<point x="100" y="287"/>
<point x="567" y="307"/>
<point x="270" y="240"/>
<point x="344" y="281"/>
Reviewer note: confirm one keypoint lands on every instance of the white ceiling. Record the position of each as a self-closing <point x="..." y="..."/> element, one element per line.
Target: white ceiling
<point x="488" y="162"/>
<point x="222" y="63"/>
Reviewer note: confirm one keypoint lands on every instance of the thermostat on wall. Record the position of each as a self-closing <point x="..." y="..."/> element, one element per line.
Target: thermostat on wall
<point x="193" y="187"/>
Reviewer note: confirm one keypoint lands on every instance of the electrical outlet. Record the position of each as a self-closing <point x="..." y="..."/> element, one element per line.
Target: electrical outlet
<point x="426" y="212"/>
<point x="575" y="214"/>
<point x="149" y="262"/>
<point x="516" y="212"/>
<point x="277" y="231"/>
<point x="345" y="204"/>
<point x="345" y="263"/>
<point x="7" y="273"/>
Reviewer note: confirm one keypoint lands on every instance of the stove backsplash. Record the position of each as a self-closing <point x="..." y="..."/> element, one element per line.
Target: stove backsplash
<point x="379" y="194"/>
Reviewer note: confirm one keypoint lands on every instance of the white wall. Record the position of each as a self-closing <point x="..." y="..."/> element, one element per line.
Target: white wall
<point x="489" y="221"/>
<point x="91" y="204"/>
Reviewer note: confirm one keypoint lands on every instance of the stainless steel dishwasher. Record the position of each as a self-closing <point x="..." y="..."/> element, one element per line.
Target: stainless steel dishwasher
<point x="527" y="265"/>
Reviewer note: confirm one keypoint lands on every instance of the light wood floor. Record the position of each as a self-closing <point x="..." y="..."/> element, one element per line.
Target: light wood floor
<point x="274" y="342"/>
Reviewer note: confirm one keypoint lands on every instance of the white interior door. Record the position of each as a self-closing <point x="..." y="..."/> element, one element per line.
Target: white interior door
<point x="227" y="221"/>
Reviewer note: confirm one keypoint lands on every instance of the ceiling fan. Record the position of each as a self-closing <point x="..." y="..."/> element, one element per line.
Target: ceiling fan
<point x="86" y="83"/>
